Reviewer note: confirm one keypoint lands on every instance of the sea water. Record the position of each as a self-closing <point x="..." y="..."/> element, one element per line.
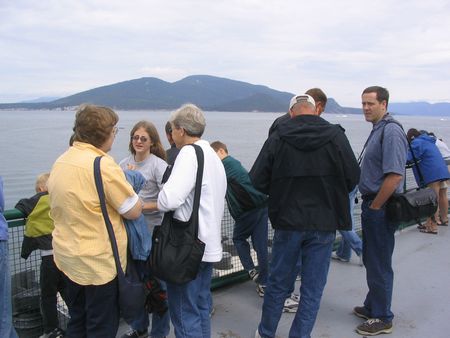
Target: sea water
<point x="31" y="141"/>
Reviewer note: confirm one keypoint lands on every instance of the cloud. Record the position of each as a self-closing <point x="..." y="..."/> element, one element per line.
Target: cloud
<point x="62" y="47"/>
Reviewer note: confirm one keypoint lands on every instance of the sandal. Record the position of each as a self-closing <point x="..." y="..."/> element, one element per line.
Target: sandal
<point x="421" y="227"/>
<point x="429" y="231"/>
<point x="443" y="223"/>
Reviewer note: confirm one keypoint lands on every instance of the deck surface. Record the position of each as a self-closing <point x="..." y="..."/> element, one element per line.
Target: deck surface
<point x="421" y="300"/>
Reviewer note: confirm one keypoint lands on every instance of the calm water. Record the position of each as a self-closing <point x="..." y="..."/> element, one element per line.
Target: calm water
<point x="32" y="140"/>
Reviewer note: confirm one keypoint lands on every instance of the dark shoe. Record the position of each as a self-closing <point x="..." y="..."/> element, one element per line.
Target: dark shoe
<point x="373" y="327"/>
<point x="135" y="334"/>
<point x="361" y="312"/>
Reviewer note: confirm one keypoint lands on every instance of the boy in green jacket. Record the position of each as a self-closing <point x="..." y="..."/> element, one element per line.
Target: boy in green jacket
<point x="38" y="235"/>
<point x="248" y="207"/>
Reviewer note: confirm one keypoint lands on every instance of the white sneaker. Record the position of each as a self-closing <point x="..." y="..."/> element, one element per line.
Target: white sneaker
<point x="339" y="258"/>
<point x="290" y="305"/>
<point x="260" y="289"/>
<point x="295" y="297"/>
<point x="253" y="274"/>
<point x="257" y="335"/>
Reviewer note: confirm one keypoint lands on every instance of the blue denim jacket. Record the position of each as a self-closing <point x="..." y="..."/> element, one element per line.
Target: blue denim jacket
<point x="139" y="238"/>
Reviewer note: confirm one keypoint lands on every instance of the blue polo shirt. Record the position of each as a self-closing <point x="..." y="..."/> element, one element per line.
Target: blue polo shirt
<point x="383" y="157"/>
<point x="3" y="224"/>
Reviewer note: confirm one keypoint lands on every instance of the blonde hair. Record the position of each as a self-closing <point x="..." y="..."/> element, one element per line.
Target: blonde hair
<point x="41" y="182"/>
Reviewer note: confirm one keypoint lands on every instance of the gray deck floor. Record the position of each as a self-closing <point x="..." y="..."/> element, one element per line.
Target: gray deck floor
<point x="421" y="301"/>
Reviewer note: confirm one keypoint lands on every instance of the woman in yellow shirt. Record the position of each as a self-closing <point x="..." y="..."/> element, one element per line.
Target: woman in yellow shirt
<point x="81" y="245"/>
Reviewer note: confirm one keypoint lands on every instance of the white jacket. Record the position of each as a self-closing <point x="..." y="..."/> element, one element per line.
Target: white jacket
<point x="178" y="194"/>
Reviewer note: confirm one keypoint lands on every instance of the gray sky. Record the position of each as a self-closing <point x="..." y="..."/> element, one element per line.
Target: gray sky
<point x="58" y="48"/>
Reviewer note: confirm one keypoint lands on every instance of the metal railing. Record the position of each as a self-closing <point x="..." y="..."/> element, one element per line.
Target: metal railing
<point x="25" y="273"/>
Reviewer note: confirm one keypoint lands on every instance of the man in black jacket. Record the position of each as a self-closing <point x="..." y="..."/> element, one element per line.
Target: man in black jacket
<point x="307" y="168"/>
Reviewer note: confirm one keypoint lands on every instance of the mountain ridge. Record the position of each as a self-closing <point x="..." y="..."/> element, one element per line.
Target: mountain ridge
<point x="211" y="93"/>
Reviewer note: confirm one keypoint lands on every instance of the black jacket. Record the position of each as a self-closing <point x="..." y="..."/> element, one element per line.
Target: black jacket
<point x="307" y="168"/>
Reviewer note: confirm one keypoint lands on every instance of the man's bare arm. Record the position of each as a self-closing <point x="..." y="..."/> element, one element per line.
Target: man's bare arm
<point x="390" y="183"/>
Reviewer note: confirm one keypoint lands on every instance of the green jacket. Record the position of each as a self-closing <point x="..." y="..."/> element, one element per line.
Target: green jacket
<point x="241" y="196"/>
<point x="38" y="226"/>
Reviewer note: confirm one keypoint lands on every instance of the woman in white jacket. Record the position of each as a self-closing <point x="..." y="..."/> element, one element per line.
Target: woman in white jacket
<point x="189" y="302"/>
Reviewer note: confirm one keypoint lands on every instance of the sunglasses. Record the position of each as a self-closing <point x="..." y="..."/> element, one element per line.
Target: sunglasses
<point x="136" y="138"/>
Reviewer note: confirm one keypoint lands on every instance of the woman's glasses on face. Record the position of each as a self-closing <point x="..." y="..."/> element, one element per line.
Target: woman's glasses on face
<point x="136" y="138"/>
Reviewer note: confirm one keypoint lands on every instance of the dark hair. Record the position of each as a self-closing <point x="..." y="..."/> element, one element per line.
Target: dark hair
<point x="71" y="140"/>
<point x="412" y="133"/>
<point x="318" y="95"/>
<point x="156" y="148"/>
<point x="216" y="145"/>
<point x="168" y="128"/>
<point x="382" y="93"/>
<point x="94" y="124"/>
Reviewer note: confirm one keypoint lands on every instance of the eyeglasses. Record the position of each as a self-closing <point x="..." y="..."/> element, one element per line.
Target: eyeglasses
<point x="115" y="131"/>
<point x="136" y="138"/>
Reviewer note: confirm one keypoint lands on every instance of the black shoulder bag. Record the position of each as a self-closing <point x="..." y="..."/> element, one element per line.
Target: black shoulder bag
<point x="132" y="294"/>
<point x="413" y="204"/>
<point x="176" y="251"/>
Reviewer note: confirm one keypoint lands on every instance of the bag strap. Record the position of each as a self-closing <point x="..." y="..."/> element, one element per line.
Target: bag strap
<point x="360" y="157"/>
<point x="109" y="228"/>
<point x="198" y="186"/>
<point x="416" y="163"/>
<point x="381" y="140"/>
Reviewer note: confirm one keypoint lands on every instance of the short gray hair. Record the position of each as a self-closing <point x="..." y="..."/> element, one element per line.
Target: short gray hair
<point x="190" y="118"/>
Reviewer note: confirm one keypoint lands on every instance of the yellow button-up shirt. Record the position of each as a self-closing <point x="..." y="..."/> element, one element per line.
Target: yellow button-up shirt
<point x="81" y="245"/>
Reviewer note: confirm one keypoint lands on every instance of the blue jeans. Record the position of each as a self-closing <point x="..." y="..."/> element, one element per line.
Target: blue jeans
<point x="254" y="224"/>
<point x="6" y="328"/>
<point x="350" y="239"/>
<point x="314" y="248"/>
<point x="93" y="310"/>
<point x="160" y="325"/>
<point x="378" y="247"/>
<point x="298" y="269"/>
<point x="189" y="305"/>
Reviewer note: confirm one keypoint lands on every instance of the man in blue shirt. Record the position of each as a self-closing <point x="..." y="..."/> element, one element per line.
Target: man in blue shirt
<point x="6" y="327"/>
<point x="382" y="174"/>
